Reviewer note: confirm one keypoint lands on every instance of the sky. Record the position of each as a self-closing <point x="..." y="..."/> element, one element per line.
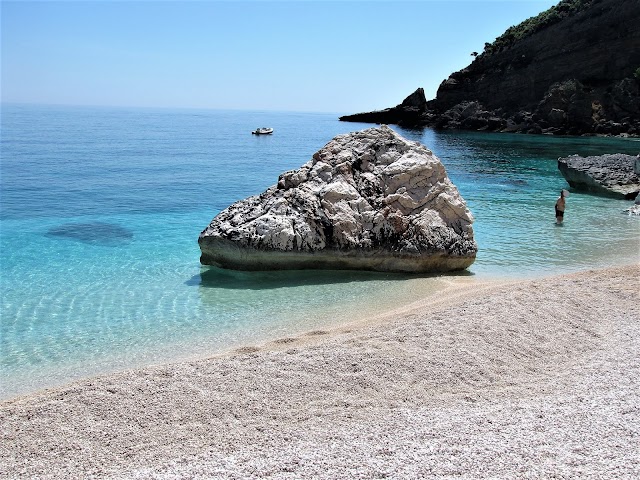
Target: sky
<point x="307" y="56"/>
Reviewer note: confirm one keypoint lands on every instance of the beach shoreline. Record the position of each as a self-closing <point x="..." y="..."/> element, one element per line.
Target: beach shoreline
<point x="533" y="378"/>
<point x="291" y="324"/>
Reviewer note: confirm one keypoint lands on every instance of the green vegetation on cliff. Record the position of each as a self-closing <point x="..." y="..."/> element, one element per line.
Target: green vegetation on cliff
<point x="564" y="9"/>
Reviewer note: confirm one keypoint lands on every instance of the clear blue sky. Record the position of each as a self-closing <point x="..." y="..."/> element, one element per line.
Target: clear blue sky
<point x="315" y="56"/>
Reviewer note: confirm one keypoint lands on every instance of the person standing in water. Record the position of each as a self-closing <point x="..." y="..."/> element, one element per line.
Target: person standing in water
<point x="560" y="205"/>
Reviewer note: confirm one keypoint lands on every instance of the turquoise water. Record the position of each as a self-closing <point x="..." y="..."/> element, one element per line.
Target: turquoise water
<point x="101" y="211"/>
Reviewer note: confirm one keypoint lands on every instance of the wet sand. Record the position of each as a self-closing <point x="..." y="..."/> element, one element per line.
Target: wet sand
<point x="526" y="379"/>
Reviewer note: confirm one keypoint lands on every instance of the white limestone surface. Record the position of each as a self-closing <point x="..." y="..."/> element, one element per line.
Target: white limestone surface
<point x="368" y="200"/>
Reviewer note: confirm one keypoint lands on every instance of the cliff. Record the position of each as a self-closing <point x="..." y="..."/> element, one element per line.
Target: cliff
<point x="573" y="69"/>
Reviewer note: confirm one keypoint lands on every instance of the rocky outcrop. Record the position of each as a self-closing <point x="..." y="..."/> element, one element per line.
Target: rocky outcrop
<point x="612" y="175"/>
<point x="369" y="200"/>
<point x="409" y="112"/>
<point x="573" y="69"/>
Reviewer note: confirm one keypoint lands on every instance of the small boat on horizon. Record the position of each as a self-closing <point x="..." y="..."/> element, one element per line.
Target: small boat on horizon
<point x="263" y="131"/>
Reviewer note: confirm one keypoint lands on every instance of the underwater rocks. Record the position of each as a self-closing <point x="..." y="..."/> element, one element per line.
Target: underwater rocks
<point x="368" y="200"/>
<point x="96" y="233"/>
<point x="613" y="174"/>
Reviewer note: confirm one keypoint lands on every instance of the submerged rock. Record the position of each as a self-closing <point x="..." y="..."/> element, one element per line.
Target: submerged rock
<point x="96" y="233"/>
<point x="612" y="174"/>
<point x="369" y="200"/>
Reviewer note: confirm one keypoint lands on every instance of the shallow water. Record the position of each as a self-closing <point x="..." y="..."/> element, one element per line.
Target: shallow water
<point x="101" y="211"/>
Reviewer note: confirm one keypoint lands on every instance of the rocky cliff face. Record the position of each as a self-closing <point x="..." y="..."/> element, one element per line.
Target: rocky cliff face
<point x="369" y="200"/>
<point x="577" y="72"/>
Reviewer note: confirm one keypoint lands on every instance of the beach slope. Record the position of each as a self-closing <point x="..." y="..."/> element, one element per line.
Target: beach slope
<point x="535" y="379"/>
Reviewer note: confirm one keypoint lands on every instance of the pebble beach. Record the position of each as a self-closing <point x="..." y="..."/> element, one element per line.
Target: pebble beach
<point x="488" y="379"/>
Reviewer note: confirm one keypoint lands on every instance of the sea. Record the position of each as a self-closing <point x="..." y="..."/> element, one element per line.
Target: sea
<point x="101" y="208"/>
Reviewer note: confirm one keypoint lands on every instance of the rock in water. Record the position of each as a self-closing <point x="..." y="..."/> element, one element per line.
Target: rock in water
<point x="368" y="200"/>
<point x="611" y="174"/>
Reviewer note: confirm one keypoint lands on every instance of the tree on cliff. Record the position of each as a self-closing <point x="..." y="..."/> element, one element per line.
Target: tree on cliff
<point x="533" y="25"/>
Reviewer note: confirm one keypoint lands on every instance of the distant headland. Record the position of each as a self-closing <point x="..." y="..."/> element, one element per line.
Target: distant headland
<point x="574" y="69"/>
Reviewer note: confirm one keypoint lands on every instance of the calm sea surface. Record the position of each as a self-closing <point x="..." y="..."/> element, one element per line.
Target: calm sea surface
<point x="101" y="211"/>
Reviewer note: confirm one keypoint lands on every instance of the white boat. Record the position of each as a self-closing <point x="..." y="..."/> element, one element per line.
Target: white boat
<point x="262" y="131"/>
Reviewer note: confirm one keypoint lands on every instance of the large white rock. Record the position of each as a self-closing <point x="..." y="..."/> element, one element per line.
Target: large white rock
<point x="368" y="200"/>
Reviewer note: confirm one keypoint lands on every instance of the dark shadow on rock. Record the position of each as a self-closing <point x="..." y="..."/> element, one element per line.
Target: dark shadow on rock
<point x="212" y="277"/>
<point x="95" y="233"/>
